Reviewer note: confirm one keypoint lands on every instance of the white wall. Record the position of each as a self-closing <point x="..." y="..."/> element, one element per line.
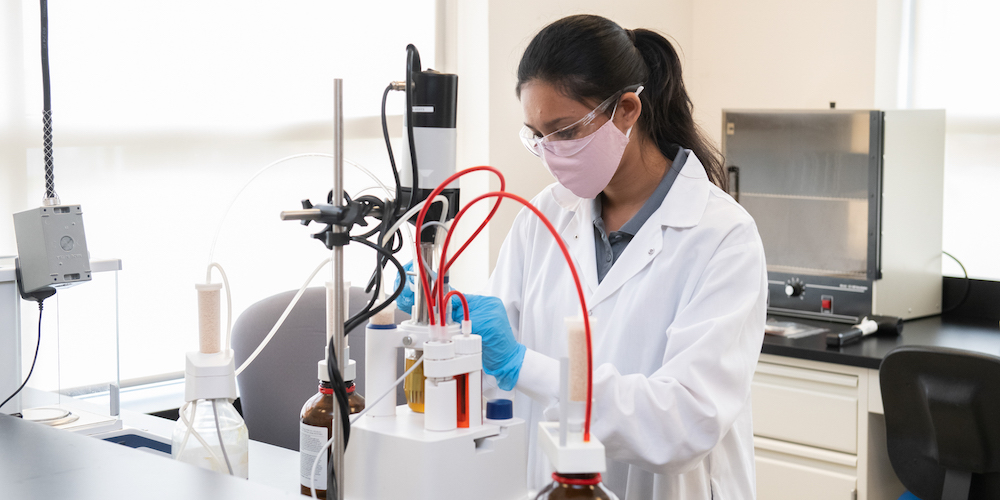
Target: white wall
<point x="780" y="54"/>
<point x="491" y="36"/>
<point x="13" y="157"/>
<point x="762" y="54"/>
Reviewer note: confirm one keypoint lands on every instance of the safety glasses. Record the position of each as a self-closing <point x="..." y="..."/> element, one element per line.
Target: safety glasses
<point x="579" y="129"/>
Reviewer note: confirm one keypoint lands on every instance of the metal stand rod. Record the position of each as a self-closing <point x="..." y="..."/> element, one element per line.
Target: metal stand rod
<point x="338" y="276"/>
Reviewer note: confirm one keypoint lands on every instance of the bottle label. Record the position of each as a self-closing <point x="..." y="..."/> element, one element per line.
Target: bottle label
<point x="311" y="441"/>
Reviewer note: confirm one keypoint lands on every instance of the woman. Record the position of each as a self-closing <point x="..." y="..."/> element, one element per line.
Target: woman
<point x="673" y="268"/>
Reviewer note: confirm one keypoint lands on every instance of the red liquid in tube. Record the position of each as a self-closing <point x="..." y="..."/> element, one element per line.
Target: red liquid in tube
<point x="463" y="400"/>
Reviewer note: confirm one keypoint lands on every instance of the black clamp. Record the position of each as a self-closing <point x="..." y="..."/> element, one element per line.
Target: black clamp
<point x="345" y="217"/>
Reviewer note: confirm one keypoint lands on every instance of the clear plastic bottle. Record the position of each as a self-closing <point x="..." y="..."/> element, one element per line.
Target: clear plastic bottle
<point x="200" y="444"/>
<point x="576" y="486"/>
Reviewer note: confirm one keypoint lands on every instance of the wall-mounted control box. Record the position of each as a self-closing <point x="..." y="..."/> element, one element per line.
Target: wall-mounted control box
<point x="51" y="247"/>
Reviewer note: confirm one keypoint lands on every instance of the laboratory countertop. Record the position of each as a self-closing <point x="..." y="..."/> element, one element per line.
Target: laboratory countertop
<point x="273" y="470"/>
<point x="971" y="334"/>
<point x="37" y="461"/>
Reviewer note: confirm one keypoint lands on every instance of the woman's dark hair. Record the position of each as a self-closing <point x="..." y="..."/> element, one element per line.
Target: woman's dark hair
<point x="590" y="58"/>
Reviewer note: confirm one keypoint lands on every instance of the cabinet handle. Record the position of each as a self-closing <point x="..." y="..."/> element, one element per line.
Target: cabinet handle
<point x="807" y="374"/>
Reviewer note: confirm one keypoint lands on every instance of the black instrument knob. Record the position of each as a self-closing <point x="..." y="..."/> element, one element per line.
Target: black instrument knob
<point x="794" y="287"/>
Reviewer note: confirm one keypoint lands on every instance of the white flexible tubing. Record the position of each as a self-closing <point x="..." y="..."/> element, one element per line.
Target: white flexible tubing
<point x="192" y="431"/>
<point x="218" y="430"/>
<point x="410" y="213"/>
<point x="391" y="390"/>
<point x="388" y="392"/>
<point x="211" y="253"/>
<point x="284" y="315"/>
<point x="229" y="302"/>
<point x="413" y="211"/>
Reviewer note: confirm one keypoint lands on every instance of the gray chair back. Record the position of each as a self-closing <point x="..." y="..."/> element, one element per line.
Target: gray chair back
<point x="276" y="385"/>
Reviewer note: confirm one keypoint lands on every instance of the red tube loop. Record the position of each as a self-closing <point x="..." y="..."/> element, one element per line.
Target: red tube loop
<point x="461" y="296"/>
<point x="420" y="223"/>
<point x="569" y="260"/>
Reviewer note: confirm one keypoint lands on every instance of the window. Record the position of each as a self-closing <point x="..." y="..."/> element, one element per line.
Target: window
<point x="163" y="110"/>
<point x="954" y="48"/>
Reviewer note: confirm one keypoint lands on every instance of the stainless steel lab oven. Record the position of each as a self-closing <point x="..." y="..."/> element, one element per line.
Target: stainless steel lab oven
<point x="848" y="205"/>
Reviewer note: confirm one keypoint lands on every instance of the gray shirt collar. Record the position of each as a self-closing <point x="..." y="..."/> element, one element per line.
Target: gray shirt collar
<point x="652" y="203"/>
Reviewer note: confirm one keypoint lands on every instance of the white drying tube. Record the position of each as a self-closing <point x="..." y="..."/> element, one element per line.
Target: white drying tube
<point x="576" y="339"/>
<point x="284" y="315"/>
<point x="205" y="293"/>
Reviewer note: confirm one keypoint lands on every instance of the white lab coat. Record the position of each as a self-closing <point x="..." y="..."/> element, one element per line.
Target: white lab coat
<point x="679" y="325"/>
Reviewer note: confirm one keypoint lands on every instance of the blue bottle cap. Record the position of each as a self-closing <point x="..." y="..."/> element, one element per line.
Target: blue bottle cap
<point x="499" y="409"/>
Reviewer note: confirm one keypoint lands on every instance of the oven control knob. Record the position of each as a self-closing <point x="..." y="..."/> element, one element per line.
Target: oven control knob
<point x="794" y="287"/>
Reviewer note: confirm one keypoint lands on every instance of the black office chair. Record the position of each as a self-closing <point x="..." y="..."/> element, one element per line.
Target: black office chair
<point x="942" y="418"/>
<point x="281" y="379"/>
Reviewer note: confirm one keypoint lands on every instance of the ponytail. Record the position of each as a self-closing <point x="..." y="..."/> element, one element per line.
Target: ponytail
<point x="590" y="58"/>
<point x="668" y="114"/>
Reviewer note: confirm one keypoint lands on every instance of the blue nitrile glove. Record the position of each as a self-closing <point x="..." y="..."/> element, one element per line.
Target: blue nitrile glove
<point x="405" y="300"/>
<point x="502" y="354"/>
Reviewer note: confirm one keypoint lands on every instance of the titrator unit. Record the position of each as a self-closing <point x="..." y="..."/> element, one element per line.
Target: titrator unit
<point x="438" y="445"/>
<point x="848" y="205"/>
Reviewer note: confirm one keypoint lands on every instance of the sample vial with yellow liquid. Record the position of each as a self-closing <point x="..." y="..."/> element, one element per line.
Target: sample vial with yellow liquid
<point x="413" y="385"/>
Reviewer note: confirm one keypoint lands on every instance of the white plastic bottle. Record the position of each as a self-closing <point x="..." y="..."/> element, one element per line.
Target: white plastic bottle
<point x="210" y="433"/>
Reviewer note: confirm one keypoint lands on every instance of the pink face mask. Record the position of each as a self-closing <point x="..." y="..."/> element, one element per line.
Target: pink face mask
<point x="586" y="165"/>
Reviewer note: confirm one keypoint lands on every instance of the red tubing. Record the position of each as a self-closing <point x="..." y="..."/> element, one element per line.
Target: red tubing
<point x="569" y="260"/>
<point x="461" y="296"/>
<point x="420" y="223"/>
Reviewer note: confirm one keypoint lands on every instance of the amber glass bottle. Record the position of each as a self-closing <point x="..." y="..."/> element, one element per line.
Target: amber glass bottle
<point x="355" y="401"/>
<point x="314" y="431"/>
<point x="576" y="486"/>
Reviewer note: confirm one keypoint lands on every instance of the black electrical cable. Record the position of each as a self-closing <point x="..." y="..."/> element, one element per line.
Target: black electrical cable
<point x="37" y="348"/>
<point x="968" y="285"/>
<point x="388" y="146"/>
<point x="412" y="56"/>
<point x="340" y="393"/>
<point x="365" y="315"/>
<point x="50" y="182"/>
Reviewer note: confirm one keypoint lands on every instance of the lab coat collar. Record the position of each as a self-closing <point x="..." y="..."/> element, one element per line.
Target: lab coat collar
<point x="686" y="201"/>
<point x="682" y="208"/>
<point x="579" y="238"/>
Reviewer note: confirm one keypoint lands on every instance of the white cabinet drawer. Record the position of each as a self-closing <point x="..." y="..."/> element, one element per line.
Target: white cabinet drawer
<point x="781" y="480"/>
<point x="809" y="407"/>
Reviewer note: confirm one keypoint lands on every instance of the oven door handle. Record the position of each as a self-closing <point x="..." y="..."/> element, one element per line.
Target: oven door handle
<point x="734" y="182"/>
